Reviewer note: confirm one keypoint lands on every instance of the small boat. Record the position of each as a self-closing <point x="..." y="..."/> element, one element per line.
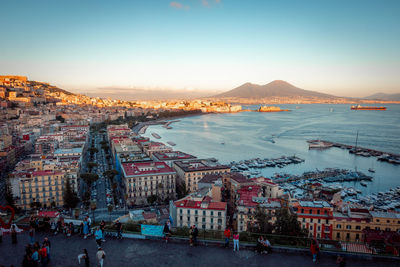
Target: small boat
<point x="155" y="135"/>
<point x="371" y="170"/>
<point x="171" y="143"/>
<point x="363" y="183"/>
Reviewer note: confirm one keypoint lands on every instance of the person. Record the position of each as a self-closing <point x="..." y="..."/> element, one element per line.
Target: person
<point x="260" y="244"/>
<point x="13" y="234"/>
<point x="313" y="249"/>
<point x="47" y="244"/>
<point x="101" y="255"/>
<point x="191" y="230"/>
<point x="43" y="255"/>
<point x="35" y="257"/>
<point x="118" y="226"/>
<point x="340" y="261"/>
<point x="195" y="234"/>
<point x="31" y="235"/>
<point x="236" y="241"/>
<point x="85" y="256"/>
<point x="102" y="226"/>
<point x="85" y="228"/>
<point x="227" y="234"/>
<point x="166" y="232"/>
<point x="89" y="224"/>
<point x="267" y="246"/>
<point x="1" y="234"/>
<point x="99" y="236"/>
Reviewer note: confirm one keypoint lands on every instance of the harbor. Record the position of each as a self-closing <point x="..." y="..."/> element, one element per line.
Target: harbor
<point x="255" y="163"/>
<point x="360" y="151"/>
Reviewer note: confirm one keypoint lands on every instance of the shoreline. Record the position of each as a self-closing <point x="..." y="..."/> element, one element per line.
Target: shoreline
<point x="138" y="128"/>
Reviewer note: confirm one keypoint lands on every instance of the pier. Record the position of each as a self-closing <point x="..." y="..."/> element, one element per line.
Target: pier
<point x="362" y="151"/>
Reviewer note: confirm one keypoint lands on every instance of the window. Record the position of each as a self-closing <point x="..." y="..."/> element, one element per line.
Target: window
<point x="304" y="219"/>
<point x="310" y="211"/>
<point x="204" y="220"/>
<point x="212" y="227"/>
<point x="212" y="220"/>
<point x="319" y="220"/>
<point x="219" y="214"/>
<point x="358" y="227"/>
<point x="348" y="227"/>
<point x="180" y="218"/>
<point x="337" y="235"/>
<point x="180" y="211"/>
<point x="204" y="213"/>
<point x="318" y="211"/>
<point x="212" y="213"/>
<point x="203" y="226"/>
<point x="311" y="220"/>
<point x="188" y="218"/>
<point x="196" y="212"/>
<point x="195" y="219"/>
<point x="338" y="226"/>
<point x="302" y="210"/>
<point x="188" y="212"/>
<point x="319" y="228"/>
<point x="348" y="236"/>
<point x="357" y="236"/>
<point x="310" y="227"/>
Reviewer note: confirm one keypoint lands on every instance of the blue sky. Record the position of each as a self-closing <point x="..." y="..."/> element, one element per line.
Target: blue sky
<point x="342" y="47"/>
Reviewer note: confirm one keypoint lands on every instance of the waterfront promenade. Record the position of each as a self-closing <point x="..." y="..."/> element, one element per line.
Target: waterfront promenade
<point x="131" y="252"/>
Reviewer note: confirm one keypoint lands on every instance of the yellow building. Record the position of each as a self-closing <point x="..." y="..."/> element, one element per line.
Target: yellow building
<point x="385" y="221"/>
<point x="349" y="226"/>
<point x="45" y="188"/>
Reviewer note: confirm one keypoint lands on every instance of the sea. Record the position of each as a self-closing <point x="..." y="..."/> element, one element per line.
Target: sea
<point x="238" y="136"/>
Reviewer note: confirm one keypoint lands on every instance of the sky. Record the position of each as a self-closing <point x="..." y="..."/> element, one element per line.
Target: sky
<point x="341" y="47"/>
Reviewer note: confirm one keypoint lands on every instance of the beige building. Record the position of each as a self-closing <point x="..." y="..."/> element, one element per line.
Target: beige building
<point x="191" y="172"/>
<point x="204" y="213"/>
<point x="145" y="179"/>
<point x="45" y="188"/>
<point x="385" y="221"/>
<point x="349" y="226"/>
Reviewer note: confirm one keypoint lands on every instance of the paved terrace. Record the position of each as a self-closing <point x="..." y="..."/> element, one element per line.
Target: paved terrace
<point x="132" y="252"/>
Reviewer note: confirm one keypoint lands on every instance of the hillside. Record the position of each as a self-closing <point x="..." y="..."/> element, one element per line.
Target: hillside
<point x="383" y="96"/>
<point x="276" y="88"/>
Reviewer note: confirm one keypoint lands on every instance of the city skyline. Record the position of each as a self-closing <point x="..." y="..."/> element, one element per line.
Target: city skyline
<point x="339" y="48"/>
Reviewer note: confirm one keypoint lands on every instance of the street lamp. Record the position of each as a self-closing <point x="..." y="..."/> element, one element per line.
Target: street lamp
<point x="93" y="208"/>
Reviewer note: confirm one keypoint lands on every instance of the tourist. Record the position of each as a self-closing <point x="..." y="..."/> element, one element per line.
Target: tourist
<point x="101" y="255"/>
<point x="314" y="250"/>
<point x="85" y="228"/>
<point x="267" y="246"/>
<point x="85" y="256"/>
<point x="28" y="261"/>
<point x="99" y="236"/>
<point x="166" y="232"/>
<point x="191" y="230"/>
<point x="118" y="226"/>
<point x="195" y="234"/>
<point x="46" y="242"/>
<point x="102" y="227"/>
<point x="1" y="234"/>
<point x="43" y="255"/>
<point x="227" y="234"/>
<point x="13" y="234"/>
<point x="35" y="256"/>
<point x="260" y="244"/>
<point x="236" y="241"/>
<point x="89" y="224"/>
<point x="31" y="235"/>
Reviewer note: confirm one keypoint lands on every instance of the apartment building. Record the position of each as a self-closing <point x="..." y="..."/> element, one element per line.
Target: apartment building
<point x="349" y="225"/>
<point x="191" y="172"/>
<point x="316" y="216"/>
<point x="204" y="213"/>
<point x="146" y="179"/>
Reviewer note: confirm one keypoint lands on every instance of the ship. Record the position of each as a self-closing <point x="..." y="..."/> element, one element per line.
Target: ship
<point x="318" y="144"/>
<point x="358" y="107"/>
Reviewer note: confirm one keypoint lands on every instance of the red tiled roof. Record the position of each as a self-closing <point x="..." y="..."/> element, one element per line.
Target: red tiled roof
<point x="137" y="169"/>
<point x="247" y="193"/>
<point x="47" y="172"/>
<point x="191" y="204"/>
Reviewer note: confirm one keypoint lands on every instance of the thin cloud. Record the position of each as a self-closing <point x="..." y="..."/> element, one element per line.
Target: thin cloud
<point x="217" y="1"/>
<point x="205" y="3"/>
<point x="178" y="5"/>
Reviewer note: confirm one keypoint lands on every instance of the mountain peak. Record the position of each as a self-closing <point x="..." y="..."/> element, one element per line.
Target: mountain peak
<point x="276" y="88"/>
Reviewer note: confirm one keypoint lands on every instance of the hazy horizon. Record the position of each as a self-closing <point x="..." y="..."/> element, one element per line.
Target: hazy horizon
<point x="343" y="48"/>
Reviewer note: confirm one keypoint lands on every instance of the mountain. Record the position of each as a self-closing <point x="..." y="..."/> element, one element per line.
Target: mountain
<point x="276" y="88"/>
<point x="383" y="96"/>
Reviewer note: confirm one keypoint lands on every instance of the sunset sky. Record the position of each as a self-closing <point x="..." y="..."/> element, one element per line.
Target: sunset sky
<point x="342" y="47"/>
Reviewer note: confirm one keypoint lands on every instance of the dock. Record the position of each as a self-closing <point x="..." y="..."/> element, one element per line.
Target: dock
<point x="365" y="152"/>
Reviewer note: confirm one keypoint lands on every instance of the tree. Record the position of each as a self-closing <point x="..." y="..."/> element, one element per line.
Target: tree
<point x="92" y="150"/>
<point x="151" y="199"/>
<point x="287" y="224"/>
<point x="262" y="222"/>
<point x="181" y="190"/>
<point x="70" y="197"/>
<point x="9" y="196"/>
<point x="91" y="165"/>
<point x="111" y="174"/>
<point x="89" y="178"/>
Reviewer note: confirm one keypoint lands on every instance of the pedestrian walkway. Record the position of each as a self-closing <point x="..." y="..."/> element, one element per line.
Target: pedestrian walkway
<point x="132" y="252"/>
